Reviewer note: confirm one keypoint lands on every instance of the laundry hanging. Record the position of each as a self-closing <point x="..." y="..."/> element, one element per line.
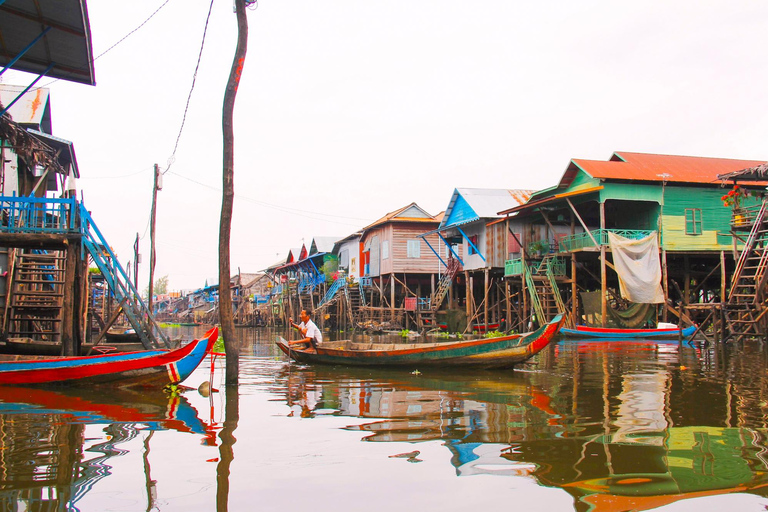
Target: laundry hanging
<point x="639" y="267"/>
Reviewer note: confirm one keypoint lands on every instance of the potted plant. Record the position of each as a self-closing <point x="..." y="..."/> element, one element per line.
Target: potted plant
<point x="733" y="200"/>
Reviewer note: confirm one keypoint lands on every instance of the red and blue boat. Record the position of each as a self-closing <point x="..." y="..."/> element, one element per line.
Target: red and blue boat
<point x="150" y="368"/>
<point x="583" y="331"/>
<point x="500" y="352"/>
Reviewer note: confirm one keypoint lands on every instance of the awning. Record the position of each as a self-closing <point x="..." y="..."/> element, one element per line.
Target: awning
<point x="64" y="34"/>
<point x="65" y="149"/>
<point x="550" y="199"/>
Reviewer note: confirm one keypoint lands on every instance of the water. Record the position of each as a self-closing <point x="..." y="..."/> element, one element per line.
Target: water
<point x="585" y="426"/>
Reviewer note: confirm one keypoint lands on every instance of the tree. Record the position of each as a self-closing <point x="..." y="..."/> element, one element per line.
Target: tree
<point x="159" y="287"/>
<point x="225" y="291"/>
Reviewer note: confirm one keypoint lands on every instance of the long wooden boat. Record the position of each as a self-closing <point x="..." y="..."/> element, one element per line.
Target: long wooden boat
<point x="30" y="347"/>
<point x="583" y="331"/>
<point x="502" y="352"/>
<point x="147" y="368"/>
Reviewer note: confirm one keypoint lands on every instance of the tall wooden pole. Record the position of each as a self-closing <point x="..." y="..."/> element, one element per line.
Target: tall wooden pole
<point x="227" y="200"/>
<point x="152" y="219"/>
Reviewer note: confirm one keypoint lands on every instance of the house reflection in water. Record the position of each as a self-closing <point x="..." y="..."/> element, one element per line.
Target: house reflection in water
<point x="616" y="435"/>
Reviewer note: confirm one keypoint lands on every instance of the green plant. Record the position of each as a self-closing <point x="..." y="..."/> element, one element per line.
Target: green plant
<point x="219" y="345"/>
<point x="404" y="333"/>
<point x="494" y="334"/>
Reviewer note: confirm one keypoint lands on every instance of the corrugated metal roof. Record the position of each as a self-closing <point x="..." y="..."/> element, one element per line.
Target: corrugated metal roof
<point x="470" y="204"/>
<point x="67" y="45"/>
<point x="650" y="167"/>
<point x="30" y="108"/>
<point x="65" y="150"/>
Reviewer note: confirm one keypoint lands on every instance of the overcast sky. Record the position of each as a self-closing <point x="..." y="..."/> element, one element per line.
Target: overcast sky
<point x="349" y="109"/>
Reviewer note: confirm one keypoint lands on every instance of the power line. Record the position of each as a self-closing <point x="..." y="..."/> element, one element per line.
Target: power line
<point x="294" y="211"/>
<point x="172" y="158"/>
<point x="126" y="36"/>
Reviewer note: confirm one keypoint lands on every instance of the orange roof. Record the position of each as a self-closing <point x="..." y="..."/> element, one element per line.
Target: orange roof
<point x="649" y="167"/>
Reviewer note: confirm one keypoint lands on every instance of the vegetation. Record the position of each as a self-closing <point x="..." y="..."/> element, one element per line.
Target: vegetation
<point x="160" y="287"/>
<point x="494" y="334"/>
<point x="404" y="333"/>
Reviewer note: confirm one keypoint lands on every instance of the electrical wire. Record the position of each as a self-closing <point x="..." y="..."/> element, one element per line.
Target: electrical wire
<point x="172" y="158"/>
<point x="126" y="36"/>
<point x="285" y="209"/>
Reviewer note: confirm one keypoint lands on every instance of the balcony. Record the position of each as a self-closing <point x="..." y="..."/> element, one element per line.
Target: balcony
<point x="515" y="267"/>
<point x="584" y="241"/>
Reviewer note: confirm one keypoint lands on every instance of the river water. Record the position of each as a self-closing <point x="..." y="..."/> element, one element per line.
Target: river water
<point x="584" y="427"/>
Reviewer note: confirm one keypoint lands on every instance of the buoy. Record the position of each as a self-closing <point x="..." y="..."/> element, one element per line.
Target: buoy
<point x="205" y="388"/>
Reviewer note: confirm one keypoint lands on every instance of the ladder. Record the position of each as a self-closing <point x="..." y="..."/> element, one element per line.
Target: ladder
<point x="745" y="304"/>
<point x="36" y="296"/>
<point x="543" y="290"/>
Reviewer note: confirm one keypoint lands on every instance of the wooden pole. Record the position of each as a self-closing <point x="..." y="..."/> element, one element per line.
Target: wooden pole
<point x="603" y="276"/>
<point x="152" y="220"/>
<point x="228" y="194"/>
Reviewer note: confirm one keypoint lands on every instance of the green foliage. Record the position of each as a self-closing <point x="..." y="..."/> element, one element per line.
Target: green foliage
<point x="404" y="333"/>
<point x="160" y="287"/>
<point x="94" y="270"/>
<point x="494" y="334"/>
<point x="219" y="345"/>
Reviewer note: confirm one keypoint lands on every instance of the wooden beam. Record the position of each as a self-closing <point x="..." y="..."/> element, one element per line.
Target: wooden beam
<point x="581" y="221"/>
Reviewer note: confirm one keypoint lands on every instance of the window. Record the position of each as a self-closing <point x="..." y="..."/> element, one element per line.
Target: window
<point x="414" y="248"/>
<point x="385" y="249"/>
<point x="513" y="247"/>
<point x="470" y="248"/>
<point x="693" y="221"/>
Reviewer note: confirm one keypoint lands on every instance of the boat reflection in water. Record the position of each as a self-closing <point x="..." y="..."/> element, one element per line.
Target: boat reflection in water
<point x="43" y="441"/>
<point x="616" y="433"/>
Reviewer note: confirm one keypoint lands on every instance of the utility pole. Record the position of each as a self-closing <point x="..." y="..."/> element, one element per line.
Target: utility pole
<point x="158" y="185"/>
<point x="227" y="200"/>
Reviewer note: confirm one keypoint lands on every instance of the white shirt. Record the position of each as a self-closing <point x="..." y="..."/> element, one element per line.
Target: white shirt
<point x="312" y="331"/>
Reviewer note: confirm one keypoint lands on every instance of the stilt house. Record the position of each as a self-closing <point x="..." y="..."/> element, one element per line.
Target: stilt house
<point x="567" y="263"/>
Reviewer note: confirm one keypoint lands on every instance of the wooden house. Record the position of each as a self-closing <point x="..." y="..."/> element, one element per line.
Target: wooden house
<point x="474" y="238"/>
<point x="397" y="261"/>
<point x="349" y="252"/>
<point x="677" y="199"/>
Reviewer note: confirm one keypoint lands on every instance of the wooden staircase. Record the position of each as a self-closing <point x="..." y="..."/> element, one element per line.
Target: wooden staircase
<point x="428" y="316"/>
<point x="542" y="288"/>
<point x="36" y="295"/>
<point x="746" y="306"/>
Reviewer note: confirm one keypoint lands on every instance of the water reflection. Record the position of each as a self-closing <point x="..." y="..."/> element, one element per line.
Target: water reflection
<point x="47" y="460"/>
<point x="628" y="426"/>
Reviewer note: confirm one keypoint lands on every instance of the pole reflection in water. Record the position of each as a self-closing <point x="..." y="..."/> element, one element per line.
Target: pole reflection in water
<point x="46" y="460"/>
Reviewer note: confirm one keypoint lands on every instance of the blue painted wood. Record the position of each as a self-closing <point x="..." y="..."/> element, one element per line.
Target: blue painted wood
<point x="460" y="212"/>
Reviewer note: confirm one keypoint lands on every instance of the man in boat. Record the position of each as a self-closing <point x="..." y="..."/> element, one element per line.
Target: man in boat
<point x="311" y="334"/>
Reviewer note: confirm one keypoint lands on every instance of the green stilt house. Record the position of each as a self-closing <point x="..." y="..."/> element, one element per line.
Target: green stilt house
<point x="567" y="262"/>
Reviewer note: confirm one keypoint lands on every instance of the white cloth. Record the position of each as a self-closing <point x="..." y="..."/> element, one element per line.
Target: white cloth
<point x="639" y="267"/>
<point x="312" y="331"/>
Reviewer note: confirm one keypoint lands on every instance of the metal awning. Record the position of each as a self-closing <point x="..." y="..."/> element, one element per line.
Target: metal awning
<point x="550" y="199"/>
<point x="47" y="37"/>
<point x="64" y="148"/>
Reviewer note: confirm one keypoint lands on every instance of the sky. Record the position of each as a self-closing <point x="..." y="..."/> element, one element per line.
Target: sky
<point x="349" y="109"/>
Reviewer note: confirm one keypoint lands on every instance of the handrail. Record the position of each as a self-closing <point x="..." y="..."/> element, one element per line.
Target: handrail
<point x="748" y="245"/>
<point x="134" y="308"/>
<point x="583" y="240"/>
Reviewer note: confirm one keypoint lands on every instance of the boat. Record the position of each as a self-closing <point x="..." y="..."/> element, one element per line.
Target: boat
<point x="583" y="331"/>
<point x="129" y="369"/>
<point x="28" y="346"/>
<point x="500" y="352"/>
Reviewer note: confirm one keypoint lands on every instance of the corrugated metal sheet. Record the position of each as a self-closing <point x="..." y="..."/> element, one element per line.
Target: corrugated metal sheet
<point x="657" y="168"/>
<point x="67" y="45"/>
<point x="470" y="204"/>
<point x="30" y="108"/>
